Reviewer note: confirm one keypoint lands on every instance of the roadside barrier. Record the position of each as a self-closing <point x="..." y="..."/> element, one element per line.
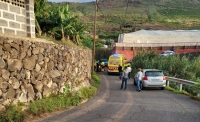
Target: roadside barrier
<point x="182" y="84"/>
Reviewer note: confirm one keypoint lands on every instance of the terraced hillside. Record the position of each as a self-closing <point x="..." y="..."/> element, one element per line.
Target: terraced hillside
<point x="116" y="16"/>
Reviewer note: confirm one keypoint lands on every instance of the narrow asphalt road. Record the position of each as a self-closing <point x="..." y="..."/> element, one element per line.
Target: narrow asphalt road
<point x="114" y="105"/>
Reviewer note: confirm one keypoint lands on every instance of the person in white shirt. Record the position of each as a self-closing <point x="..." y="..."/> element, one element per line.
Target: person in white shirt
<point x="139" y="79"/>
<point x="129" y="70"/>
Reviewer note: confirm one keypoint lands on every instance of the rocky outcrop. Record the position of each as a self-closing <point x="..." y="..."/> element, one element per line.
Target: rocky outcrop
<point x="32" y="69"/>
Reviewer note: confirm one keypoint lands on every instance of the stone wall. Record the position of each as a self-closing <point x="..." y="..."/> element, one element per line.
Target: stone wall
<point x="33" y="68"/>
<point x="17" y="17"/>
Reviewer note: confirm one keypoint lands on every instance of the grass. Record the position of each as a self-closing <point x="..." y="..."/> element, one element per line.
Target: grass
<point x="182" y="92"/>
<point x="15" y="113"/>
<point x="66" y="42"/>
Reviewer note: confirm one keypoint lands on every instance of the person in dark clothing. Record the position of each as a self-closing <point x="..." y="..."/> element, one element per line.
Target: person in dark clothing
<point x="172" y="49"/>
<point x="97" y="67"/>
<point x="124" y="78"/>
<point x="120" y="71"/>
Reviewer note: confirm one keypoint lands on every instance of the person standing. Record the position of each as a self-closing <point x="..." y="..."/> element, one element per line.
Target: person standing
<point x="129" y="70"/>
<point x="139" y="79"/>
<point x="102" y="66"/>
<point x="124" y="78"/>
<point x="120" y="71"/>
<point x="97" y="66"/>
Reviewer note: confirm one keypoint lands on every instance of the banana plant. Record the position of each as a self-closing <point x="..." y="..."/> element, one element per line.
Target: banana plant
<point x="63" y="17"/>
<point x="77" y="30"/>
<point x="41" y="8"/>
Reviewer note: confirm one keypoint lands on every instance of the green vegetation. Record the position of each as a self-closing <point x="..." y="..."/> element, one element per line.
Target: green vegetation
<point x="67" y="23"/>
<point x="74" y="22"/>
<point x="58" y="22"/>
<point x="14" y="113"/>
<point x="173" y="66"/>
<point x="183" y="92"/>
<point x="140" y="14"/>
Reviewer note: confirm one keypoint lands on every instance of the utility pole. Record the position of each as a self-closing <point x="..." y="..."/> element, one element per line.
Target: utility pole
<point x="94" y="38"/>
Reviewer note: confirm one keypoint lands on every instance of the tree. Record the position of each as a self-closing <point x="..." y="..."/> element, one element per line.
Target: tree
<point x="41" y="8"/>
<point x="63" y="17"/>
<point x="77" y="29"/>
<point x="66" y="24"/>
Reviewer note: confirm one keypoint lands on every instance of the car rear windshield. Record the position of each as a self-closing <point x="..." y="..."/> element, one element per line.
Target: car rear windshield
<point x="104" y="60"/>
<point x="153" y="73"/>
<point x="114" y="62"/>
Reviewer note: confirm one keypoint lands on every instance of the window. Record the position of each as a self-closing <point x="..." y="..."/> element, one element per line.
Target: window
<point x="115" y="61"/>
<point x="19" y="3"/>
<point x="153" y="73"/>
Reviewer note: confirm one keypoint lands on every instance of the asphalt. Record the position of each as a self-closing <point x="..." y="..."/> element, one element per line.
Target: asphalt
<point x="111" y="104"/>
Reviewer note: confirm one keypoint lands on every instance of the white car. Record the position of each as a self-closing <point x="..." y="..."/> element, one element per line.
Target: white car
<point x="152" y="78"/>
<point x="167" y="53"/>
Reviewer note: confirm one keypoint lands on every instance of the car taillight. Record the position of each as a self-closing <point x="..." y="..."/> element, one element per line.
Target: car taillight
<point x="164" y="78"/>
<point x="145" y="78"/>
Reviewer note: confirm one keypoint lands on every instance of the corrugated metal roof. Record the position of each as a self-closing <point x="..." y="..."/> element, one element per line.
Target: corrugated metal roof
<point x="160" y="36"/>
<point x="166" y="32"/>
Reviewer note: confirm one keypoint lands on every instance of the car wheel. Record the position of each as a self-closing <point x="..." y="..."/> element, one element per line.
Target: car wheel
<point x="162" y="88"/>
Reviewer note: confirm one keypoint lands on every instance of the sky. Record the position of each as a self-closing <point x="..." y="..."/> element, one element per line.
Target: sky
<point x="81" y="1"/>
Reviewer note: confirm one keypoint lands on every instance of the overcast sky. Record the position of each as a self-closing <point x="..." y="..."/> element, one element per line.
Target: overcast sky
<point x="81" y="1"/>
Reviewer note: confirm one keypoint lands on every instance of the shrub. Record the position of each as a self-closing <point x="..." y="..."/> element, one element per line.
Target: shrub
<point x="95" y="80"/>
<point x="65" y="100"/>
<point x="12" y="113"/>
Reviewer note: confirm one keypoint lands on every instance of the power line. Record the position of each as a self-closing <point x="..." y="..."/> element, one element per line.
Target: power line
<point x="127" y="7"/>
<point x="98" y="8"/>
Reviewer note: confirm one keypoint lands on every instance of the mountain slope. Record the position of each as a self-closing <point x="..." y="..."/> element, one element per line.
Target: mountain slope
<point x="116" y="16"/>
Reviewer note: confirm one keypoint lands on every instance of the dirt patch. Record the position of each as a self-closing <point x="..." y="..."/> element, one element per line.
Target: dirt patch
<point x="155" y="26"/>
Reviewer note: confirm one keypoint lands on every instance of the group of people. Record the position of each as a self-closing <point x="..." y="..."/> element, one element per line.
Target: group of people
<point x="125" y="75"/>
<point x="100" y="66"/>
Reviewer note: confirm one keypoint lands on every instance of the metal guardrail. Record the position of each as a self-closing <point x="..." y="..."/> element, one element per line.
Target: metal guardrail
<point x="182" y="82"/>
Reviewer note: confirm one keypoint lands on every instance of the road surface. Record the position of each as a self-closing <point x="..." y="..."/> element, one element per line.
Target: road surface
<point x="112" y="104"/>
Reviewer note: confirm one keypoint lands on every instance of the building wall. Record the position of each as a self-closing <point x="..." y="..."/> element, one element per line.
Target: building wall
<point x="131" y="52"/>
<point x="33" y="68"/>
<point x="17" y="18"/>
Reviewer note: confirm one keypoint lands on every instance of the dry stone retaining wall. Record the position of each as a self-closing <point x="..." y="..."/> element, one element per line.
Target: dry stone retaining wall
<point x="30" y="70"/>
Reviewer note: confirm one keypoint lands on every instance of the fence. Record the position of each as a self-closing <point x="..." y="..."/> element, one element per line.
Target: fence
<point x="181" y="84"/>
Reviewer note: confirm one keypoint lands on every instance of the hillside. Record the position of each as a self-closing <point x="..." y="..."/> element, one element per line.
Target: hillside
<point x="116" y="16"/>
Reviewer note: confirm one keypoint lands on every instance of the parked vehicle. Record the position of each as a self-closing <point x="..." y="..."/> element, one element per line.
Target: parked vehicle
<point x="152" y="78"/>
<point x="114" y="61"/>
<point x="105" y="62"/>
<point x="167" y="53"/>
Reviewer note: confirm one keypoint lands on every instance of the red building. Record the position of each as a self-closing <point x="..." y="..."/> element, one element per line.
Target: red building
<point x="182" y="41"/>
